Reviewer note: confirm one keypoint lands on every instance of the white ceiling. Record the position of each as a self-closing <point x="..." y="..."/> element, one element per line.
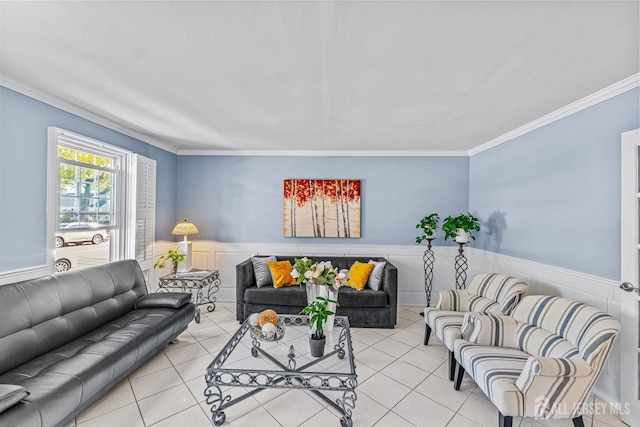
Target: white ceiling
<point x="395" y="76"/>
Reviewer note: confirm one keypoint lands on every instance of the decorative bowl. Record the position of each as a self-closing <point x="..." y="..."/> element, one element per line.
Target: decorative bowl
<point x="257" y="332"/>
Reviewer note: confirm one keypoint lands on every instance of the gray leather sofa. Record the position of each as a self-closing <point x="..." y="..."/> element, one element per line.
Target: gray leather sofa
<point x="65" y="340"/>
<point x="366" y="308"/>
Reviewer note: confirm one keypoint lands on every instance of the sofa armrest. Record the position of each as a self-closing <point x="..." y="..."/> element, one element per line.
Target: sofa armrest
<point x="453" y="300"/>
<point x="11" y="394"/>
<point x="540" y="374"/>
<point x="163" y="300"/>
<point x="490" y="329"/>
<point x="245" y="278"/>
<point x="390" y="286"/>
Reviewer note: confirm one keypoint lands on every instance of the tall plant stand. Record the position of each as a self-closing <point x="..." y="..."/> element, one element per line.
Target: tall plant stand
<point x="429" y="259"/>
<point x="461" y="268"/>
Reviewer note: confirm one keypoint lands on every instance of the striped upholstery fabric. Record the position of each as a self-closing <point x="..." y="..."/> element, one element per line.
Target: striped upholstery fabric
<point x="446" y="324"/>
<point x="487" y="293"/>
<point x="505" y="290"/>
<point x="541" y="361"/>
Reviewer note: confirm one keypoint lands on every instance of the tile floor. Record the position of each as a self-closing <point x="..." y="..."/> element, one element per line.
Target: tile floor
<point x="401" y="382"/>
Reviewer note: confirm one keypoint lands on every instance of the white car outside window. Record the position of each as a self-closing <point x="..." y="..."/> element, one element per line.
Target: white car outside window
<point x="80" y="232"/>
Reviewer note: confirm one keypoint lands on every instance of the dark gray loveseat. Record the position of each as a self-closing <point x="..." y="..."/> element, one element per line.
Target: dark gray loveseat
<point x="66" y="340"/>
<point x="365" y="308"/>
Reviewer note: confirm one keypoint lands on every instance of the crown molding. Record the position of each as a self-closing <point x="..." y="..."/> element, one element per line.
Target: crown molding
<point x="38" y="95"/>
<point x="298" y="153"/>
<point x="586" y="102"/>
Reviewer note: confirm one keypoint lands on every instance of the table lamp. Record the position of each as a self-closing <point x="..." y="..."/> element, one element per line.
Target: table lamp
<point x="185" y="228"/>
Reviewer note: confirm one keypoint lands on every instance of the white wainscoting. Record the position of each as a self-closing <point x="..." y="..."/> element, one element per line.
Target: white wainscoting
<point x="408" y="260"/>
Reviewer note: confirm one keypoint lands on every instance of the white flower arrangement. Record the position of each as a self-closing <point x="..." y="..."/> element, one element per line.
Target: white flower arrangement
<point x="319" y="273"/>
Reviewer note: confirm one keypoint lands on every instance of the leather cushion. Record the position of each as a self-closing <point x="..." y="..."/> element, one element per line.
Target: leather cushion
<point x="10" y="395"/>
<point x="163" y="300"/>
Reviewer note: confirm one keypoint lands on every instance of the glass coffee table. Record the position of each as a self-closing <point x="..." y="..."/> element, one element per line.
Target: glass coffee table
<point x="250" y="362"/>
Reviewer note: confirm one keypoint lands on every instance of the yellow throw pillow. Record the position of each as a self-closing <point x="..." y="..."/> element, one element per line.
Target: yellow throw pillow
<point x="281" y="273"/>
<point x="359" y="274"/>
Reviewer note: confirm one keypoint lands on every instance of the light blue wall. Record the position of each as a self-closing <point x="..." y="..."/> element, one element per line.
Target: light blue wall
<point x="23" y="168"/>
<point x="240" y="199"/>
<point x="558" y="190"/>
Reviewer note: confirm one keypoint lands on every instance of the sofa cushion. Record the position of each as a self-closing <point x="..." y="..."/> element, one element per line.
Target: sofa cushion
<point x="164" y="300"/>
<point x="281" y="274"/>
<point x="268" y="295"/>
<point x="261" y="270"/>
<point x="349" y="297"/>
<point x="359" y="275"/>
<point x="10" y="395"/>
<point x="376" y="276"/>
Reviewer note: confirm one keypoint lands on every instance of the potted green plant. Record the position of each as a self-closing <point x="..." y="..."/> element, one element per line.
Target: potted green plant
<point x="460" y="228"/>
<point x="172" y="256"/>
<point x="429" y="226"/>
<point x="318" y="314"/>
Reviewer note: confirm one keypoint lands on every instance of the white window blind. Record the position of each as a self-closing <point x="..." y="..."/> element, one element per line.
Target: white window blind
<point x="143" y="197"/>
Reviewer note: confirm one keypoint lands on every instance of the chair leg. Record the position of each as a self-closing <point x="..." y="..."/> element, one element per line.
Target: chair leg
<point x="458" y="379"/>
<point x="427" y="333"/>
<point x="577" y="421"/>
<point x="452" y="366"/>
<point x="504" y="421"/>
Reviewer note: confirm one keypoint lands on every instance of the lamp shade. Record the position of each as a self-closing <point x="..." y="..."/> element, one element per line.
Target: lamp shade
<point x="185" y="228"/>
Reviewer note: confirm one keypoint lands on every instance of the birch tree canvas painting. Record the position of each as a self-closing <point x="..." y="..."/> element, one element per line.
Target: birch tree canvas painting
<point x="322" y="208"/>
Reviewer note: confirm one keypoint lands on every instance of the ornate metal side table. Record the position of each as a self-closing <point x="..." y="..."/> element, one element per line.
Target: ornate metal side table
<point x="246" y="361"/>
<point x="202" y="284"/>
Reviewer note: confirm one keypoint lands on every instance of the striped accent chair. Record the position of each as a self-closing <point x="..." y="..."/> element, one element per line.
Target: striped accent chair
<point x="542" y="361"/>
<point x="487" y="293"/>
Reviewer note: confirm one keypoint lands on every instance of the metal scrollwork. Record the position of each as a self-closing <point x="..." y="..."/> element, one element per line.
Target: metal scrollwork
<point x="429" y="260"/>
<point x="202" y="289"/>
<point x="283" y="370"/>
<point x="347" y="403"/>
<point x="461" y="268"/>
<point x="217" y="400"/>
<point x="291" y="364"/>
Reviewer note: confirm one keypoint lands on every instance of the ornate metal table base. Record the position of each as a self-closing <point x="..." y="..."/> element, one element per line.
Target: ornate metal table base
<point x="289" y="375"/>
<point x="202" y="288"/>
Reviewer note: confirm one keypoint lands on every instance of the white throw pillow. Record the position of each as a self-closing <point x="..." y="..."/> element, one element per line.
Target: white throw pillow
<point x="375" y="278"/>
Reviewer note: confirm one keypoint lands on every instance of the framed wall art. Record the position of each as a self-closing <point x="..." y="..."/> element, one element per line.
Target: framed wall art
<point x="322" y="208"/>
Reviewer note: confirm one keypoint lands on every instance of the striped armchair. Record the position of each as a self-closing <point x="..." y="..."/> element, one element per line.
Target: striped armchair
<point x="487" y="293"/>
<point x="542" y="361"/>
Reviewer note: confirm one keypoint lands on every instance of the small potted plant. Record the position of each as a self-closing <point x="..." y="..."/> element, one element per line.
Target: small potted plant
<point x="428" y="225"/>
<point x="460" y="228"/>
<point x="318" y="314"/>
<point x="174" y="257"/>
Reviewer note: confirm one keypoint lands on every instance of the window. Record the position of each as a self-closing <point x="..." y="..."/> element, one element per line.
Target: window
<point x="87" y="193"/>
<point x="100" y="204"/>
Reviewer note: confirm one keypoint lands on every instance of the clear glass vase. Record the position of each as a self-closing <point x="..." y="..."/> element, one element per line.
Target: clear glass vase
<point x="333" y="294"/>
<point x="328" y="292"/>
